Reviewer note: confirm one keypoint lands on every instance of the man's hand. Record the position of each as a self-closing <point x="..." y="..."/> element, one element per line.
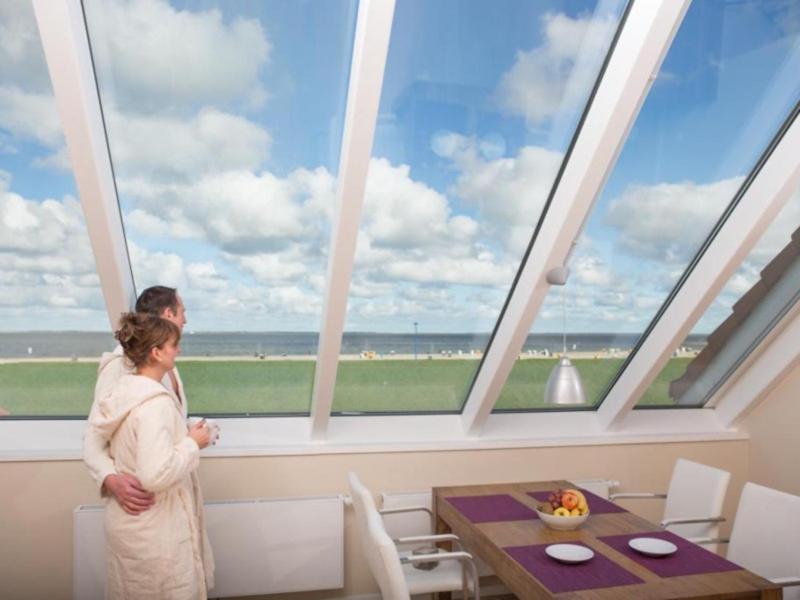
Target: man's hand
<point x="130" y="494"/>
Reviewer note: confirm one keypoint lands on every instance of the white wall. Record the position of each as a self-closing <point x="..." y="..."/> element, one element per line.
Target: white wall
<point x="774" y="428"/>
<point x="37" y="498"/>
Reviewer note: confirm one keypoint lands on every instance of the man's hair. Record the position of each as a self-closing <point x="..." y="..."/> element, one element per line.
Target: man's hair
<point x="157" y="298"/>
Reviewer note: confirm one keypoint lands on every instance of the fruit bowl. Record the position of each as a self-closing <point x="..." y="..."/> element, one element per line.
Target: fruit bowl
<point x="564" y="510"/>
<point x="562" y="523"/>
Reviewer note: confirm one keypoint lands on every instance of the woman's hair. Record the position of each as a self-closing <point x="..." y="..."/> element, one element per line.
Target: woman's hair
<point x="139" y="333"/>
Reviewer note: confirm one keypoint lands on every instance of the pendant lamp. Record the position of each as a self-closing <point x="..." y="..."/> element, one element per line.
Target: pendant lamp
<point x="564" y="385"/>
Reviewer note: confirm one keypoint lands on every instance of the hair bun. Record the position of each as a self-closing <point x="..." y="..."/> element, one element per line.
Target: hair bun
<point x="139" y="333"/>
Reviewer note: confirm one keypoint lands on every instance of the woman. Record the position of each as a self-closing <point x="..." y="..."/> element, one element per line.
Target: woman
<point x="163" y="552"/>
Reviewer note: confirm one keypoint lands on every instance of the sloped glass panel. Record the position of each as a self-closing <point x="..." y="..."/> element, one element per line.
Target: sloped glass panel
<point x="727" y="84"/>
<point x="763" y="289"/>
<point x="53" y="323"/>
<point x="479" y="104"/>
<point x="224" y="121"/>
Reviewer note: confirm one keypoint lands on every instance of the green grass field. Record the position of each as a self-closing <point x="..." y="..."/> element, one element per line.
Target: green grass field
<point x="65" y="388"/>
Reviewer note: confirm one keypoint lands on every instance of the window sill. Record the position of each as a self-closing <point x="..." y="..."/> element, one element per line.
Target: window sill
<point x="61" y="440"/>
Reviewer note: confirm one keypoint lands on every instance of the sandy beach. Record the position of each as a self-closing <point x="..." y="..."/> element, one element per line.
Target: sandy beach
<point x="365" y="356"/>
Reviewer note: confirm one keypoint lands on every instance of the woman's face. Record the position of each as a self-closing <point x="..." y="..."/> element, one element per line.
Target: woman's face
<point x="167" y="353"/>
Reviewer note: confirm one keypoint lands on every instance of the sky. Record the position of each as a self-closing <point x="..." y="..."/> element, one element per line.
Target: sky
<point x="225" y="121"/>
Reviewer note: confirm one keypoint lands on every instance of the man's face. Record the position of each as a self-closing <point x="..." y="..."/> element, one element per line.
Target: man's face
<point x="179" y="316"/>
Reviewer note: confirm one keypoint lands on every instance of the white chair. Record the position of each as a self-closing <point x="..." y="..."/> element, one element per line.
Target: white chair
<point x="766" y="536"/>
<point x="395" y="573"/>
<point x="410" y="514"/>
<point x="693" y="501"/>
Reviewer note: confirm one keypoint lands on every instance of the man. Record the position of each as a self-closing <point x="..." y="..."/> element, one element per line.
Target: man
<point x="163" y="302"/>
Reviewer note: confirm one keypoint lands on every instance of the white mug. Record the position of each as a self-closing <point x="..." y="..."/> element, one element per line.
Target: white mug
<point x="213" y="427"/>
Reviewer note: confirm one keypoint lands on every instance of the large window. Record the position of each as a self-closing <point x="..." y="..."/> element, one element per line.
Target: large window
<point x="224" y="124"/>
<point x="725" y="87"/>
<point x="53" y="324"/>
<point x="479" y="103"/>
<point x="764" y="287"/>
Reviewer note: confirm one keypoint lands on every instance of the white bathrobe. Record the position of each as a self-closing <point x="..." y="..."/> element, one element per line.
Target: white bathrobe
<point x="113" y="366"/>
<point x="163" y="553"/>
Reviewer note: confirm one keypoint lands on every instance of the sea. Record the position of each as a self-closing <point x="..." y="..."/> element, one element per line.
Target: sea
<point x="83" y="344"/>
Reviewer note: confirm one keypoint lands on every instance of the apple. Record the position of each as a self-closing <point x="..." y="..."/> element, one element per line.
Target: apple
<point x="569" y="500"/>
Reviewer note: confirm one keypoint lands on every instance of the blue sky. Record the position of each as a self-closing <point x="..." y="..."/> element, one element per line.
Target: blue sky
<point x="226" y="153"/>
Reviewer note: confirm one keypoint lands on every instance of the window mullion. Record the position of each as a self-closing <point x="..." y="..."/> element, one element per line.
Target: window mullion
<point x="642" y="44"/>
<point x="373" y="29"/>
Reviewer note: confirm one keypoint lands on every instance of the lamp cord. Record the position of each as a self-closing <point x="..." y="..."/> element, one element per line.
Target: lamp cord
<point x="564" y="318"/>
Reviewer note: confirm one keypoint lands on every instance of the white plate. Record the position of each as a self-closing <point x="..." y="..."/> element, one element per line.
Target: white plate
<point x="652" y="546"/>
<point x="569" y="553"/>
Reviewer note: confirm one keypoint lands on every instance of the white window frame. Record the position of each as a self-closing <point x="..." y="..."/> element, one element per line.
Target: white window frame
<point x="370" y="48"/>
<point x="646" y="35"/>
<point x="768" y="191"/>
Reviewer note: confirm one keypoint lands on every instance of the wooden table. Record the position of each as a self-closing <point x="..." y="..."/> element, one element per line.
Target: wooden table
<point x="486" y="540"/>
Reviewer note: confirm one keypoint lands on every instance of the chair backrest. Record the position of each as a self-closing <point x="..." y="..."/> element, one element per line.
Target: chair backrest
<point x="599" y="487"/>
<point x="765" y="534"/>
<point x="695" y="490"/>
<point x="407" y="524"/>
<point x="380" y="550"/>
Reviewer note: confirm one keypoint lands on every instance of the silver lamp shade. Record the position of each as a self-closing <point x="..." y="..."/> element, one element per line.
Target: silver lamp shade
<point x="564" y="385"/>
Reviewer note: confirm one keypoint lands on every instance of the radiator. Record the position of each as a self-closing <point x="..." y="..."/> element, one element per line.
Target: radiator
<point x="264" y="546"/>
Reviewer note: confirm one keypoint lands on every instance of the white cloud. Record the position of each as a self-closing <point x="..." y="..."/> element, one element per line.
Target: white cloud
<point x="145" y="224"/>
<point x="237" y="211"/>
<point x="456" y="271"/>
<point x="27" y="106"/>
<point x="290" y="265"/>
<point x="400" y="212"/>
<point x="591" y="271"/>
<point x="158" y="96"/>
<point x="660" y="228"/>
<point x="21" y="57"/>
<point x="157" y="268"/>
<point x="30" y="115"/>
<point x="204" y="276"/>
<point x="293" y="300"/>
<point x="47" y="271"/>
<point x="557" y="75"/>
<point x="152" y="55"/>
<point x="216" y="296"/>
<point x="51" y="227"/>
<point x="509" y="192"/>
<point x="668" y="221"/>
<point x="166" y="148"/>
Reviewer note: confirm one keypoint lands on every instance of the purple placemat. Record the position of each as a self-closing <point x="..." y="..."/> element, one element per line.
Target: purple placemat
<point x="487" y="509"/>
<point x="599" y="572"/>
<point x="597" y="505"/>
<point x="690" y="559"/>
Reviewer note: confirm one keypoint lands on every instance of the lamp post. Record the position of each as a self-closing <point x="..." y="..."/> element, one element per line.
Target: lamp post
<point x="415" y="340"/>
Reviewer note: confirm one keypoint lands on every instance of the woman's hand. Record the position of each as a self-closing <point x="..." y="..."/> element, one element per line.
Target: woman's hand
<point x="201" y="434"/>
